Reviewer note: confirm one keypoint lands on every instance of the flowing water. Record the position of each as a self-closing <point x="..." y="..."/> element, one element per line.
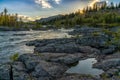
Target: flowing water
<point x="12" y="42"/>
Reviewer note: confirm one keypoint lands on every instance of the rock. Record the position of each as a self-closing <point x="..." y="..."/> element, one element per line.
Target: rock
<point x="5" y="28"/>
<point x="107" y="64"/>
<point x="62" y="46"/>
<point x="26" y="57"/>
<point x="93" y="41"/>
<point x="30" y="65"/>
<point x="58" y="46"/>
<point x="5" y="72"/>
<point x="40" y="72"/>
<point x="39" y="68"/>
<point x="66" y="59"/>
<point x="19" y="66"/>
<point x="85" y="31"/>
<point x="20" y="76"/>
<point x="30" y="61"/>
<point x="88" y="49"/>
<point x="19" y="71"/>
<point x="112" y="72"/>
<point x="114" y="55"/>
<point x="54" y="69"/>
<point x="78" y="77"/>
<point x="109" y="50"/>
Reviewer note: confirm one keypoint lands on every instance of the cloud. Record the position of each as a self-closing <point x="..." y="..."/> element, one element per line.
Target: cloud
<point x="93" y="2"/>
<point x="57" y="1"/>
<point x="46" y="3"/>
<point x="26" y="18"/>
<point x="43" y="3"/>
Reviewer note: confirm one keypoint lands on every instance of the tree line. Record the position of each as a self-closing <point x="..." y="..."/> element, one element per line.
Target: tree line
<point x="10" y="20"/>
<point x="106" y="15"/>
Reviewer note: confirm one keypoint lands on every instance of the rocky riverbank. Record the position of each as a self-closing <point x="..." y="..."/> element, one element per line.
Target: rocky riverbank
<point x="53" y="57"/>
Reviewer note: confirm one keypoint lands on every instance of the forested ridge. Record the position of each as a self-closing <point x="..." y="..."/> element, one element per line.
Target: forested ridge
<point x="106" y="15"/>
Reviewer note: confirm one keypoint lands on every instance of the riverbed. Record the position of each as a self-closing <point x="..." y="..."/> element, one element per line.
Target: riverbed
<point x="12" y="42"/>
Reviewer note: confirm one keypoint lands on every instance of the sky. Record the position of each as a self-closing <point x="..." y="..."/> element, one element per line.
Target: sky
<point x="36" y="9"/>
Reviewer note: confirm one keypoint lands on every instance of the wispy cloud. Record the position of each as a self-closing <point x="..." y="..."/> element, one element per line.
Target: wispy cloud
<point x="46" y="3"/>
<point x="26" y="18"/>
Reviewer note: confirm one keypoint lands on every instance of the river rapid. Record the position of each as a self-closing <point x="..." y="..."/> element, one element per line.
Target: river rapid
<point x="12" y="42"/>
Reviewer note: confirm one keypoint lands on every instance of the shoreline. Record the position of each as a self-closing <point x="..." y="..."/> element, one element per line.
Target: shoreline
<point x="52" y="57"/>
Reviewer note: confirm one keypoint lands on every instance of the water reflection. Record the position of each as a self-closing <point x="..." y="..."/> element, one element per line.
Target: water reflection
<point x="85" y="67"/>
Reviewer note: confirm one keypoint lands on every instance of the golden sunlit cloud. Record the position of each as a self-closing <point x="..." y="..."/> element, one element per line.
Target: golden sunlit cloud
<point x="93" y="2"/>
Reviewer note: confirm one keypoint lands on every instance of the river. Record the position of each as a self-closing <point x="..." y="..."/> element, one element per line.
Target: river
<point x="12" y="42"/>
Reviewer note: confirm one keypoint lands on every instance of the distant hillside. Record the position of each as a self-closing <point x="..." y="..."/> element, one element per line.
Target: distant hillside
<point x="49" y="18"/>
<point x="91" y="16"/>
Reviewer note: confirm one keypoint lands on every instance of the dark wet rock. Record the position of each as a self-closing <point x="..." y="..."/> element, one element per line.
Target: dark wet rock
<point x="19" y="71"/>
<point x="30" y="61"/>
<point x="59" y="48"/>
<point x="41" y="68"/>
<point x="62" y="46"/>
<point x="85" y="31"/>
<point x="114" y="55"/>
<point x="30" y="65"/>
<point x="107" y="64"/>
<point x="93" y="41"/>
<point x="26" y="57"/>
<point x="5" y="28"/>
<point x="71" y="59"/>
<point x="112" y="72"/>
<point x="5" y="70"/>
<point x="20" y="76"/>
<point x="43" y="78"/>
<point x="71" y="45"/>
<point x="110" y="50"/>
<point x="40" y="72"/>
<point x="63" y="58"/>
<point x="54" y="69"/>
<point x="19" y="66"/>
<point x="78" y="77"/>
<point x="88" y="49"/>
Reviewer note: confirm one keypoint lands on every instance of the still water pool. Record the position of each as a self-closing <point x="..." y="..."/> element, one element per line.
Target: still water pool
<point x="85" y="67"/>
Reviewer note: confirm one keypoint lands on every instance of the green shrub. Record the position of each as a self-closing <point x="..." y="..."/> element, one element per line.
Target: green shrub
<point x="14" y="57"/>
<point x="95" y="33"/>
